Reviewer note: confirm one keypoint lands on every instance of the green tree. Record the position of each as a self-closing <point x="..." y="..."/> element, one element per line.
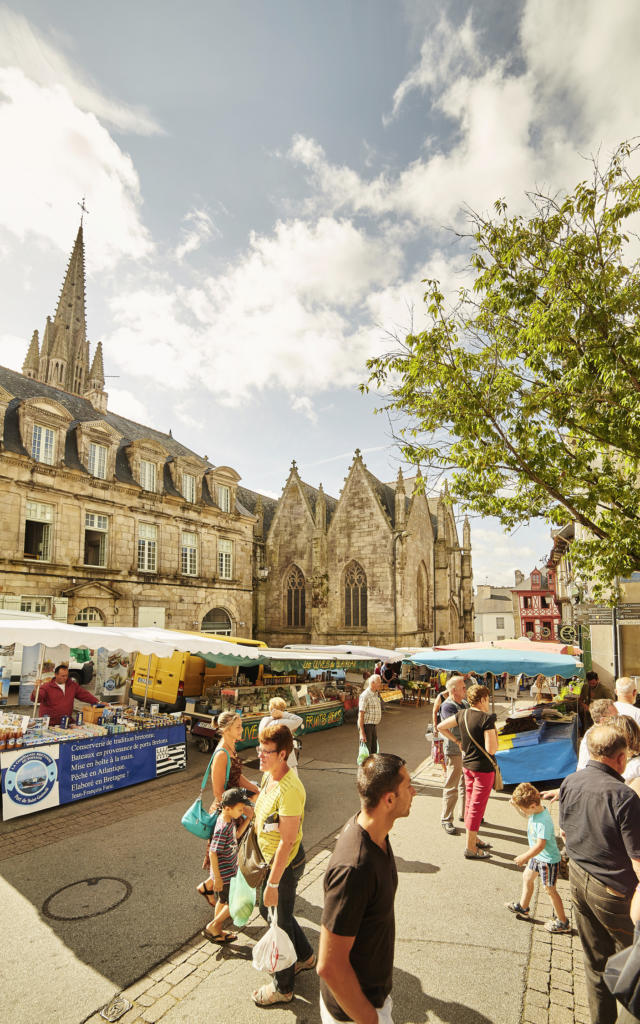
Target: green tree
<point x="525" y="391"/>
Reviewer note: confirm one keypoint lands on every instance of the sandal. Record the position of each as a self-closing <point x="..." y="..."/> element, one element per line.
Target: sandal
<point x="220" y="940"/>
<point x="481" y="845"/>
<point x="202" y="889"/>
<point x="267" y="995"/>
<point x="306" y="965"/>
<point x="477" y="854"/>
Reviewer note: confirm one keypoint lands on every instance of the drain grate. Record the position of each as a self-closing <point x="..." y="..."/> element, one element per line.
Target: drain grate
<point x="115" y="1009"/>
<point x="89" y="897"/>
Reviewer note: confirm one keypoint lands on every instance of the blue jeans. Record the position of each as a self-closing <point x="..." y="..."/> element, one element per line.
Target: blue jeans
<point x="284" y="980"/>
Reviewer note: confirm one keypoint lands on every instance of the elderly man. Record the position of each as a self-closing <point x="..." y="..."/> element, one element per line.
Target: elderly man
<point x="600" y="819"/>
<point x="601" y="711"/>
<point x="370" y="713"/>
<point x="453" y="780"/>
<point x="626" y="693"/>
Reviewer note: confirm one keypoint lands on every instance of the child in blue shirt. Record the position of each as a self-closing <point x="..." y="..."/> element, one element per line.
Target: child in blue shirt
<point x="236" y="812"/>
<point x="542" y="858"/>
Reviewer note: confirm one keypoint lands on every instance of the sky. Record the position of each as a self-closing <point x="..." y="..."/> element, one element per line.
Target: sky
<point x="268" y="184"/>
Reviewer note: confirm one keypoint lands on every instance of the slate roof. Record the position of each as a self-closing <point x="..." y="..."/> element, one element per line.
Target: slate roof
<point x="247" y="500"/>
<point x="82" y="411"/>
<point x="494" y="603"/>
<point x="526" y="584"/>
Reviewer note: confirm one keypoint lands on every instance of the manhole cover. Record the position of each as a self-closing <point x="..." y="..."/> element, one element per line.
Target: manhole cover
<point x="89" y="897"/>
<point x="114" y="1010"/>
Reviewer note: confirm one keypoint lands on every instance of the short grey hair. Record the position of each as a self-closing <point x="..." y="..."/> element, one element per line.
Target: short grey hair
<point x="453" y="682"/>
<point x="625" y="684"/>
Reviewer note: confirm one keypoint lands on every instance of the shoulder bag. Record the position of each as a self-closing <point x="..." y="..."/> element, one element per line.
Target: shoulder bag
<point x="196" y="820"/>
<point x="250" y="860"/>
<point x="498" y="784"/>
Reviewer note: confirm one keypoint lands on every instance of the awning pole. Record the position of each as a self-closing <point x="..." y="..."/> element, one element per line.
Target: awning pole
<point x="38" y="681"/>
<point x="146" y="685"/>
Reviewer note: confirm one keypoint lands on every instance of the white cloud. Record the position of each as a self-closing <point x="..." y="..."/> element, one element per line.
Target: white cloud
<point x="21" y="47"/>
<point x="126" y="404"/>
<point x="198" y="227"/>
<point x="304" y="405"/>
<point x="53" y="154"/>
<point x="282" y="316"/>
<point x="493" y="551"/>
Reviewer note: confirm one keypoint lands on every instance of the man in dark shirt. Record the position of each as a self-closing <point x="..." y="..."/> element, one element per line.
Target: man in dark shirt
<point x="600" y="817"/>
<point x="357" y="936"/>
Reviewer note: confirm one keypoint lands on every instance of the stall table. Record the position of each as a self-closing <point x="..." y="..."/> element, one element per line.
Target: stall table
<point x="47" y="775"/>
<point x="324" y="715"/>
<point x="552" y="757"/>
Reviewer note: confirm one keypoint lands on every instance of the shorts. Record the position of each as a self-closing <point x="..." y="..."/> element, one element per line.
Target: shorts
<point x="548" y="872"/>
<point x="223" y="895"/>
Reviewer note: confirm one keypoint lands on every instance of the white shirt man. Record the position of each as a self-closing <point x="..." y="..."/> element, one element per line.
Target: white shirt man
<point x="626" y="693"/>
<point x="370" y="713"/>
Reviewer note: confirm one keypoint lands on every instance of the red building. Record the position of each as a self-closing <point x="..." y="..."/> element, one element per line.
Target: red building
<point x="536" y="612"/>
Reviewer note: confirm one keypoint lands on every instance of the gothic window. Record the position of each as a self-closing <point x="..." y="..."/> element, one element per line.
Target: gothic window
<point x="355" y="595"/>
<point x="295" y="587"/>
<point x="422" y="596"/>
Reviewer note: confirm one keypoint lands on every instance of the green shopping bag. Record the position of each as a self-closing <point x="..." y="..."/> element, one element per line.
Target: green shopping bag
<point x="363" y="753"/>
<point x="242" y="900"/>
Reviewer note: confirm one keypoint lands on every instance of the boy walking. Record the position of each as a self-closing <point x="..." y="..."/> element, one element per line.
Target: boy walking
<point x="542" y="858"/>
<point x="223" y="858"/>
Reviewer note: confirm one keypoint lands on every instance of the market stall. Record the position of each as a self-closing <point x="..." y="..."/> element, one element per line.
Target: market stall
<point x="532" y="746"/>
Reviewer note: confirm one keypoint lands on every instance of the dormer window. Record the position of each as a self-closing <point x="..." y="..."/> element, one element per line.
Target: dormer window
<point x="43" y="444"/>
<point x="148" y="475"/>
<point x="224" y="498"/>
<point x="97" y="461"/>
<point x="189" y="487"/>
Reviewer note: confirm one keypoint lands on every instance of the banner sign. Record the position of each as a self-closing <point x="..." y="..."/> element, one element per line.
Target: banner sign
<point x="315" y="719"/>
<point x="61" y="773"/>
<point x="321" y="664"/>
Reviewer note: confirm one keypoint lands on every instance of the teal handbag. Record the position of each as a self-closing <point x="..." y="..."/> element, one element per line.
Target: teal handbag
<point x="196" y="820"/>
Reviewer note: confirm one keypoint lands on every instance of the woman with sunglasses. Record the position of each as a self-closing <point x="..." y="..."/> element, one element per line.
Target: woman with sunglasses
<point x="279" y="813"/>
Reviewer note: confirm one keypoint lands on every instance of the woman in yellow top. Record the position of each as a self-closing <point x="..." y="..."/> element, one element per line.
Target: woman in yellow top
<point x="279" y="813"/>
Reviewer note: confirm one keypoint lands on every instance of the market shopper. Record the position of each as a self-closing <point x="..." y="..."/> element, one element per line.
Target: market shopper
<point x="226" y="773"/>
<point x="628" y="728"/>
<point x="279" y="814"/>
<point x="370" y="713"/>
<point x="542" y="859"/>
<point x="591" y="690"/>
<point x="235" y="816"/>
<point x="454" y="782"/>
<point x="626" y="693"/>
<point x="600" y="817"/>
<point x="278" y="713"/>
<point x="357" y="935"/>
<point x="479" y="742"/>
<point x="56" y="696"/>
<point x="601" y="711"/>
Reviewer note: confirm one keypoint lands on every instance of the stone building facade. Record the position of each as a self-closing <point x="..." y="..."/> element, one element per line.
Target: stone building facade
<point x="381" y="565"/>
<point x="103" y="519"/>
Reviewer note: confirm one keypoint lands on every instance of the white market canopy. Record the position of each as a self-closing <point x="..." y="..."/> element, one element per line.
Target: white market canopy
<point x="340" y="650"/>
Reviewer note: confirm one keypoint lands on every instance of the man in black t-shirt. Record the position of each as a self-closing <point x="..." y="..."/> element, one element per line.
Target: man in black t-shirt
<point x="355" y="959"/>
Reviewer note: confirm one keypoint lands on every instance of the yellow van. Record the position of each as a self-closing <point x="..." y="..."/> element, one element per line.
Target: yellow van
<point x="183" y="675"/>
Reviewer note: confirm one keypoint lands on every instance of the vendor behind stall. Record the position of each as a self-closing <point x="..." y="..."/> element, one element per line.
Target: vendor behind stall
<point x="57" y="696"/>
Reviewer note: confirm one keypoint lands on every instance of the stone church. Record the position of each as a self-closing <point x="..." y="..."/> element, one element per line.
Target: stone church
<point x="380" y="565"/>
<point x="105" y="520"/>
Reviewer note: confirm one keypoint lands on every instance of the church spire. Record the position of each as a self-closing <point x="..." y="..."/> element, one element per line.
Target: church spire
<point x="31" y="364"/>
<point x="71" y="303"/>
<point x="96" y="375"/>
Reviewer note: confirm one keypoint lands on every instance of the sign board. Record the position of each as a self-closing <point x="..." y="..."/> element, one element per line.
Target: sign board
<point x="61" y="773"/>
<point x="512" y="686"/>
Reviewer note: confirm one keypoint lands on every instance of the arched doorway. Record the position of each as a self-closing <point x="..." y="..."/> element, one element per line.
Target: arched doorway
<point x="217" y="621"/>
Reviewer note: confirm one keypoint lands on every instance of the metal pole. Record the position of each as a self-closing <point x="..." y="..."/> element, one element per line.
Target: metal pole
<point x="148" y="672"/>
<point x="38" y="682"/>
<point x="616" y="640"/>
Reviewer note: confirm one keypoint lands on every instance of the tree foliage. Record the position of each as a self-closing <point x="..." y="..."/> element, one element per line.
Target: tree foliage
<point x="525" y="391"/>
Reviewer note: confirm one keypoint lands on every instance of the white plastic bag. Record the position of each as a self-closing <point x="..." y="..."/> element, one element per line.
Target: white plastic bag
<point x="275" y="950"/>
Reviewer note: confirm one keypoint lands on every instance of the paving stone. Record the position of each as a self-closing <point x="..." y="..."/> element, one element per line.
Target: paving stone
<point x="131" y="1016"/>
<point x="560" y="1015"/>
<point x="562" y="961"/>
<point x="137" y="988"/>
<point x="535" y="1015"/>
<point x="562" y="979"/>
<point x="186" y="986"/>
<point x="538" y="980"/>
<point x="154" y="1013"/>
<point x="159" y="989"/>
<point x="559" y="997"/>
<point x="537" y="999"/>
<point x="161" y="971"/>
<point x="183" y="970"/>
<point x="180" y="956"/>
<point x="145" y="1000"/>
<point x="197" y="958"/>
